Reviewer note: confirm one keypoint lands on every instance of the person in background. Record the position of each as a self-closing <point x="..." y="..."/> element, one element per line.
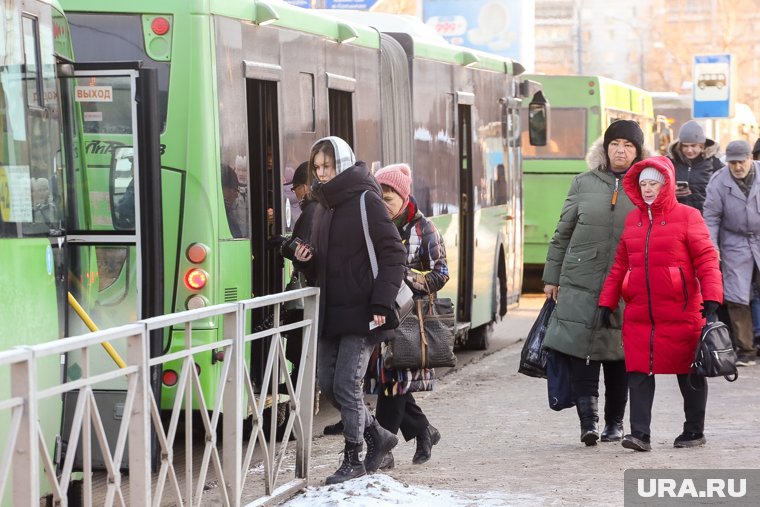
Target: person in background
<point x="663" y="241"/>
<point x="579" y="257"/>
<point x="695" y="159"/>
<point x="233" y="201"/>
<point x="732" y="214"/>
<point x="350" y="295"/>
<point x="426" y="273"/>
<point x="755" y="303"/>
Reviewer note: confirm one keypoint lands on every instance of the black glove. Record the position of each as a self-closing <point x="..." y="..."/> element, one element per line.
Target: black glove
<point x="604" y="316"/>
<point x="709" y="308"/>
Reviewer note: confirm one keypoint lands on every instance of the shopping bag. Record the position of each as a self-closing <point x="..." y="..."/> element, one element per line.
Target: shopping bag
<point x="533" y="356"/>
<point x="425" y="338"/>
<point x="558" y="381"/>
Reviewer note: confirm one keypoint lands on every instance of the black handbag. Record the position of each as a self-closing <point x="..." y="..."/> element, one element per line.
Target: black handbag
<point x="533" y="356"/>
<point x="425" y="338"/>
<point x="405" y="297"/>
<point x="558" y="381"/>
<point x="715" y="355"/>
<point x="295" y="283"/>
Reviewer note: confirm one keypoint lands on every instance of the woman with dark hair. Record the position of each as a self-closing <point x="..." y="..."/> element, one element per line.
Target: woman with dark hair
<point x="350" y="296"/>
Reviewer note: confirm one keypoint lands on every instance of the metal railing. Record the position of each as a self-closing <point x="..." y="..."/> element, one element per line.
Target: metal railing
<point x="26" y="452"/>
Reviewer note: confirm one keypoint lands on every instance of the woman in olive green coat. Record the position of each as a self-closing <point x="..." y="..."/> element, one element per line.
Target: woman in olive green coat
<point x="579" y="258"/>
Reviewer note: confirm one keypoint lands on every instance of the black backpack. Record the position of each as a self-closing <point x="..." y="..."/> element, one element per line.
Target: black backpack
<point x="715" y="356"/>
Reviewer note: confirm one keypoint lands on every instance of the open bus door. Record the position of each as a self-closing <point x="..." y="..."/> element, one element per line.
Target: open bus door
<point x="113" y="241"/>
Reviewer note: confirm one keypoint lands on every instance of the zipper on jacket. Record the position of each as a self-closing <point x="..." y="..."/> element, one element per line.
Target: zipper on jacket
<point x="649" y="291"/>
<point x="615" y="194"/>
<point x="685" y="290"/>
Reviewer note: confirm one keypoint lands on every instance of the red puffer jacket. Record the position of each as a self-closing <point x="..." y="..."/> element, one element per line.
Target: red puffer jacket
<point x="664" y="259"/>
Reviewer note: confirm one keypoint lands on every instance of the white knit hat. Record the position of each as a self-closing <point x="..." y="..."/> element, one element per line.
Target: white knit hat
<point x="650" y="173"/>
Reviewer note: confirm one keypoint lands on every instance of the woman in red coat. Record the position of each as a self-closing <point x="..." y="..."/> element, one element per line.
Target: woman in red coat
<point x="664" y="260"/>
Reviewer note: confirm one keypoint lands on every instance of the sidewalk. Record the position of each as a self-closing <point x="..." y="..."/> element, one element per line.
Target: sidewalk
<point x="498" y="434"/>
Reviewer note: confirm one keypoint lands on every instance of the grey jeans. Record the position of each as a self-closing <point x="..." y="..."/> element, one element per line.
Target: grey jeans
<point x="341" y="365"/>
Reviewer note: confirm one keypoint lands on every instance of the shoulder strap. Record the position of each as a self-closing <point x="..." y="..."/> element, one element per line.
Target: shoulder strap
<point x="365" y="226"/>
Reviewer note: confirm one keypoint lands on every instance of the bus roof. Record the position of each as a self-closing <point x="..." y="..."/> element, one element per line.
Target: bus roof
<point x="563" y="90"/>
<point x="287" y="16"/>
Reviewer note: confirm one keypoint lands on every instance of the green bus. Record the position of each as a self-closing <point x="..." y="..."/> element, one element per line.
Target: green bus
<point x="582" y="108"/>
<point x="247" y="88"/>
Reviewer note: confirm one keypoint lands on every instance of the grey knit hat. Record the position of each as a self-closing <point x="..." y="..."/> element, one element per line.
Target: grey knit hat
<point x="692" y="133"/>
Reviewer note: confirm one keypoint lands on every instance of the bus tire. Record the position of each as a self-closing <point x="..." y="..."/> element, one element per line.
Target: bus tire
<point x="480" y="337"/>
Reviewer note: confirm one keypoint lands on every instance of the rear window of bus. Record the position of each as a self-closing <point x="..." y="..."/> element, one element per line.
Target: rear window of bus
<point x="114" y="38"/>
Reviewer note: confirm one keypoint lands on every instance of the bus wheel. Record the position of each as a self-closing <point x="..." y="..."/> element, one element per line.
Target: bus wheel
<point x="480" y="337"/>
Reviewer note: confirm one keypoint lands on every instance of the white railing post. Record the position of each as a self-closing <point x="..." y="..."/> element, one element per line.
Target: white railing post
<point x="140" y="441"/>
<point x="308" y="376"/>
<point x="26" y="466"/>
<point x="232" y="421"/>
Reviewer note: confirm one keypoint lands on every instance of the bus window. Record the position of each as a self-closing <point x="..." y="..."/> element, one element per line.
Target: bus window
<point x="342" y="115"/>
<point x="117" y="37"/>
<point x="568" y="135"/>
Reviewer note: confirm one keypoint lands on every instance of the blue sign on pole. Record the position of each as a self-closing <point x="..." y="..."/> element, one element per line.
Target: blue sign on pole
<point x="712" y="86"/>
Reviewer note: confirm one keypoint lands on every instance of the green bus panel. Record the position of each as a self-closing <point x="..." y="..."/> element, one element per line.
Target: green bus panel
<point x="544" y="196"/>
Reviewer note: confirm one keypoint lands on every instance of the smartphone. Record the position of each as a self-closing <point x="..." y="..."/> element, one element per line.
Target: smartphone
<point x="295" y="242"/>
<point x="682" y="184"/>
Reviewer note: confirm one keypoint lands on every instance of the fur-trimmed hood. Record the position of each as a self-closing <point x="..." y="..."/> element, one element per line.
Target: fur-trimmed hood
<point x="712" y="149"/>
<point x="596" y="158"/>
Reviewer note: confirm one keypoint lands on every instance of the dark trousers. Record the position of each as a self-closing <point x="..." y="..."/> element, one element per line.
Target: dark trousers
<point x="401" y="412"/>
<point x="741" y="329"/>
<point x="585" y="379"/>
<point x="641" y="387"/>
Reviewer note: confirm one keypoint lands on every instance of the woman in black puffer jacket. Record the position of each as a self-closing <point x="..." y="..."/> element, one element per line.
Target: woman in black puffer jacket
<point x="350" y="297"/>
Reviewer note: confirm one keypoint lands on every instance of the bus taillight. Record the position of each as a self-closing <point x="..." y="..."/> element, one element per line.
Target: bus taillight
<point x="196" y="279"/>
<point x="196" y="301"/>
<point x="197" y="253"/>
<point x="160" y="26"/>
<point x="170" y="378"/>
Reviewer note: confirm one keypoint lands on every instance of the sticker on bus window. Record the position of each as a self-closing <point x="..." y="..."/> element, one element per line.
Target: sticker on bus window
<point x="15" y="193"/>
<point x="93" y="93"/>
<point x="93" y="116"/>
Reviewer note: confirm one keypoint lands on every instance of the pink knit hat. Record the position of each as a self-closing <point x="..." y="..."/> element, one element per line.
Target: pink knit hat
<point x="398" y="177"/>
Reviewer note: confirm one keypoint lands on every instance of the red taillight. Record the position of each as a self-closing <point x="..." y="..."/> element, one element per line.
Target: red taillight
<point x="196" y="253"/>
<point x="196" y="279"/>
<point x="160" y="26"/>
<point x="170" y="378"/>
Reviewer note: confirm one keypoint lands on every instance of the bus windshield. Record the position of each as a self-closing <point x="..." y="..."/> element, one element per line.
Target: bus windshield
<point x="568" y="135"/>
<point x="110" y="38"/>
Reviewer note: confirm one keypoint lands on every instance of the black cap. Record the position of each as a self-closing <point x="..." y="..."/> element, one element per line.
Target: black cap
<point x="756" y="148"/>
<point x="300" y="175"/>
<point x="625" y="129"/>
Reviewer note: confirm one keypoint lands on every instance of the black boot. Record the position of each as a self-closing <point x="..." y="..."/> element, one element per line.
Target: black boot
<point x="425" y="442"/>
<point x="388" y="462"/>
<point x="588" y="412"/>
<point x="334" y="429"/>
<point x="379" y="443"/>
<point x="351" y="468"/>
<point x="614" y="411"/>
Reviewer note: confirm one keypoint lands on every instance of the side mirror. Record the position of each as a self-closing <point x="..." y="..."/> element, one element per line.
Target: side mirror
<point x="122" y="188"/>
<point x="538" y="120"/>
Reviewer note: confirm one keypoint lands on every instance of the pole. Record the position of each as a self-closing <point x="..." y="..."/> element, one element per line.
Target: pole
<point x="92" y="327"/>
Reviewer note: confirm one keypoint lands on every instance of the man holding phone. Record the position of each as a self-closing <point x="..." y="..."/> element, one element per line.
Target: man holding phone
<point x="696" y="159"/>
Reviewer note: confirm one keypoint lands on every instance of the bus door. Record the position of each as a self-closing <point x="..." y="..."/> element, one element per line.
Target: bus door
<point x="113" y="241"/>
<point x="513" y="216"/>
<point x="466" y="239"/>
<point x="266" y="205"/>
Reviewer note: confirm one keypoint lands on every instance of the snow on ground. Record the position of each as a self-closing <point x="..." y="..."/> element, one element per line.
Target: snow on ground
<point x="379" y="490"/>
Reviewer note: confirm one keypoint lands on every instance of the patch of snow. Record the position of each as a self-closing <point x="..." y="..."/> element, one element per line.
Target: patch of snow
<point x="380" y="490"/>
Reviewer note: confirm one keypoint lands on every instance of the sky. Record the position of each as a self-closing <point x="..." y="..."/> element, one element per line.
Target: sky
<point x="379" y="490"/>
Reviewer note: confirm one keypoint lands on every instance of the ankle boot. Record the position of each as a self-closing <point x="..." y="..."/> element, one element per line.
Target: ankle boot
<point x="588" y="413"/>
<point x="352" y="466"/>
<point x="425" y="442"/>
<point x="379" y="443"/>
<point x="614" y="410"/>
